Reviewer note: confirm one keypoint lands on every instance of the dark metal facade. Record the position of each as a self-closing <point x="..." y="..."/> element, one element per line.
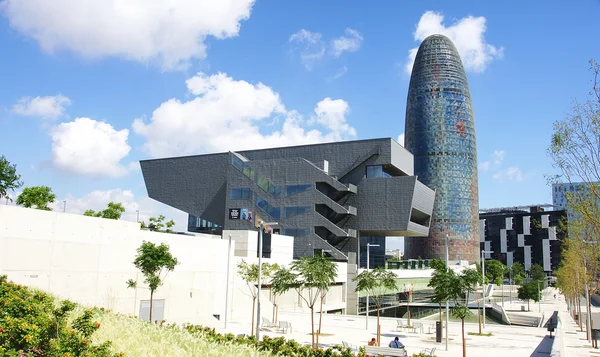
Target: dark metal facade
<point x="325" y="195"/>
<point x="440" y="133"/>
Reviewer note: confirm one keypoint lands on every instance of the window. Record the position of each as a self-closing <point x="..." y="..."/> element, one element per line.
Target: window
<point x="290" y="212"/>
<point x="294" y="189"/>
<point x="270" y="188"/>
<point x="376" y="171"/>
<point x="240" y="165"/>
<point x="261" y="203"/>
<point x="240" y="194"/>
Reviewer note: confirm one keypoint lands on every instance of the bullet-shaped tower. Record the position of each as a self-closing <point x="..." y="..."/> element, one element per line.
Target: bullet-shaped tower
<point x="440" y="132"/>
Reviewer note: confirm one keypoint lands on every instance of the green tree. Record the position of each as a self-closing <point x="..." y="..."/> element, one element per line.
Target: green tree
<point x="536" y="272"/>
<point x="462" y="285"/>
<point x="529" y="291"/>
<point x="158" y="224"/>
<point x="112" y="211"/>
<point x="495" y="271"/>
<point x="36" y="196"/>
<point x="518" y="273"/>
<point x="310" y="274"/>
<point x="155" y="262"/>
<point x="377" y="283"/>
<point x="249" y="274"/>
<point x="440" y="281"/>
<point x="9" y="179"/>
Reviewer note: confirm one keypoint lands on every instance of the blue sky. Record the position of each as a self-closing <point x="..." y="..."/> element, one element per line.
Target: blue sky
<point x="87" y="89"/>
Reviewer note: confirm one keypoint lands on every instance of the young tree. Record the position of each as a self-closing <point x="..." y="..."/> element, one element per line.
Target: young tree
<point x="9" y="179"/>
<point x="249" y="274"/>
<point x="462" y="285"/>
<point x="495" y="271"/>
<point x="159" y="224"/>
<point x="518" y="273"/>
<point x="536" y="272"/>
<point x="377" y="283"/>
<point x="469" y="280"/>
<point x="155" y="262"/>
<point x="36" y="196"/>
<point x="440" y="281"/>
<point x="112" y="211"/>
<point x="310" y="274"/>
<point x="529" y="291"/>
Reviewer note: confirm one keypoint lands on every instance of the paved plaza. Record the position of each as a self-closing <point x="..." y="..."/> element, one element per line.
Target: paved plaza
<point x="513" y="341"/>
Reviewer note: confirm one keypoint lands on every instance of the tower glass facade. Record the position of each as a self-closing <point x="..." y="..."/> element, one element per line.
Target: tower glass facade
<point x="440" y="133"/>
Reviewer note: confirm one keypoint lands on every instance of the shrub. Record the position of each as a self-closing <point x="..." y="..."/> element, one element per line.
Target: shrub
<point x="33" y="324"/>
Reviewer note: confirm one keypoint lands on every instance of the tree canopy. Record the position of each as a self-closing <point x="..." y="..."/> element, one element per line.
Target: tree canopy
<point x="9" y="179"/>
<point x="536" y="272"/>
<point x="158" y="224"/>
<point x="518" y="273"/>
<point x="112" y="211"/>
<point x="36" y="197"/>
<point x="495" y="271"/>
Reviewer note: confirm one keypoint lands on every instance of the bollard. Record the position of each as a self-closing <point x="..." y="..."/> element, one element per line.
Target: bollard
<point x="438" y="332"/>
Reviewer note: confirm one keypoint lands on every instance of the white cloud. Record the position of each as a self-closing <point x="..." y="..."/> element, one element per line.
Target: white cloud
<point x="168" y="32"/>
<point x="332" y="114"/>
<point x="350" y="43"/>
<point x="496" y="159"/>
<point x="98" y="200"/>
<point x="467" y="35"/>
<point x="89" y="148"/>
<point x="50" y="107"/>
<point x="511" y="174"/>
<point x="310" y="45"/>
<point x="401" y="139"/>
<point x="228" y="114"/>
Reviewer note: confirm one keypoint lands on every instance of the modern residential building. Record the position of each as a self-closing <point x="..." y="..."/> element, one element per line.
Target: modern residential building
<point x="528" y="235"/>
<point x="324" y="195"/>
<point x="440" y="133"/>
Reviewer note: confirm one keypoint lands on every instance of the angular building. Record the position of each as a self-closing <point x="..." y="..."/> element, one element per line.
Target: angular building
<point x="440" y="133"/>
<point x="327" y="196"/>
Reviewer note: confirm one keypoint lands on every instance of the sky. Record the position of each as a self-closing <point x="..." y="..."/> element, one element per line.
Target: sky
<point x="89" y="88"/>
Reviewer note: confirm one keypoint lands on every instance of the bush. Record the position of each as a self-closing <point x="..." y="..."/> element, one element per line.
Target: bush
<point x="32" y="325"/>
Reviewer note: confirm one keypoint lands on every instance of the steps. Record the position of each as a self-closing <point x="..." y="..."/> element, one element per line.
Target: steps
<point x="523" y="320"/>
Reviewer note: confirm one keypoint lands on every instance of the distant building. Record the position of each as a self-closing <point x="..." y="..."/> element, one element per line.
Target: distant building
<point x="393" y="254"/>
<point x="529" y="236"/>
<point x="440" y="133"/>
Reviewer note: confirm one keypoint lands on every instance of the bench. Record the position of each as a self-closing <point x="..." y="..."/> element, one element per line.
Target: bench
<point x="385" y="351"/>
<point x="284" y="326"/>
<point x="430" y="352"/>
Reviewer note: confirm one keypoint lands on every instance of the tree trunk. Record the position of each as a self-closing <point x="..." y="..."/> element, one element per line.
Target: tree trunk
<point x="321" y="315"/>
<point x="274" y="307"/>
<point x="151" y="296"/>
<point x="253" y="307"/>
<point x="312" y="325"/>
<point x="408" y="312"/>
<point x="528" y="305"/>
<point x="378" y="329"/>
<point x="463" y="338"/>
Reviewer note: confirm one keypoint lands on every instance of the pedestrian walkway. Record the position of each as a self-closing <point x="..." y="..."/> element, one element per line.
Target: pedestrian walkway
<point x="511" y="341"/>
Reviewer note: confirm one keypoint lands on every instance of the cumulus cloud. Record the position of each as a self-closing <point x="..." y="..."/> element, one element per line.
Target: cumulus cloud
<point x="511" y="174"/>
<point x="90" y="148"/>
<point x="49" y="107"/>
<point x="170" y="33"/>
<point x="228" y="114"/>
<point x="98" y="200"/>
<point x="350" y="42"/>
<point x="312" y="47"/>
<point x="467" y="35"/>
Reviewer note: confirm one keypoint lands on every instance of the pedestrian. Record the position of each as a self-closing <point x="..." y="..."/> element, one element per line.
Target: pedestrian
<point x="396" y="343"/>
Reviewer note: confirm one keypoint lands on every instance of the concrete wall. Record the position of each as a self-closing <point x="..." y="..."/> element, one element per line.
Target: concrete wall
<point x="89" y="260"/>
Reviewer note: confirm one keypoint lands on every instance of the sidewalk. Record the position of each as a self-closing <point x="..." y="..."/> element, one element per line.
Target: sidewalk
<point x="512" y="341"/>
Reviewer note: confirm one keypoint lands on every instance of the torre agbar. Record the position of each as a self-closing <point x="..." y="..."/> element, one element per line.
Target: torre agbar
<point x="440" y="133"/>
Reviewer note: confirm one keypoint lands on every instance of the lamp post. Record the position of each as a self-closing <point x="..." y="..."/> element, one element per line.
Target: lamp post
<point x="483" y="285"/>
<point x="227" y="280"/>
<point x="260" y="251"/>
<point x="369" y="245"/>
<point x="510" y="284"/>
<point x="448" y="303"/>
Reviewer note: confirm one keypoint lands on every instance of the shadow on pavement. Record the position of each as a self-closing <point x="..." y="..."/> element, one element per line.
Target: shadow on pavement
<point x="544" y="348"/>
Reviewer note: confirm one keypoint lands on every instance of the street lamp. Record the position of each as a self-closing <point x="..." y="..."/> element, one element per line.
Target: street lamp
<point x="261" y="224"/>
<point x="539" y="296"/>
<point x="369" y="245"/>
<point x="483" y="280"/>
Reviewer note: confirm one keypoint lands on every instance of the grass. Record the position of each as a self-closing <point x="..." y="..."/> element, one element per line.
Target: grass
<point x="137" y="338"/>
<point x="479" y="334"/>
<point x="474" y="318"/>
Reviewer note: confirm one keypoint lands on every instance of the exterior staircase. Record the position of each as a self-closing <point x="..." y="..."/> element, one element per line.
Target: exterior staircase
<point x="523" y="319"/>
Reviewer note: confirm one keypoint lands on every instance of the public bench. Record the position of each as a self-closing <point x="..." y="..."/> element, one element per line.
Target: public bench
<point x="385" y="351"/>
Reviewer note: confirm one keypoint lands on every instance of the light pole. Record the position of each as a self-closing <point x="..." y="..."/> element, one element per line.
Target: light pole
<point x="369" y="245"/>
<point x="448" y="303"/>
<point x="510" y="284"/>
<point x="227" y="280"/>
<point x="483" y="285"/>
<point x="260" y="251"/>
